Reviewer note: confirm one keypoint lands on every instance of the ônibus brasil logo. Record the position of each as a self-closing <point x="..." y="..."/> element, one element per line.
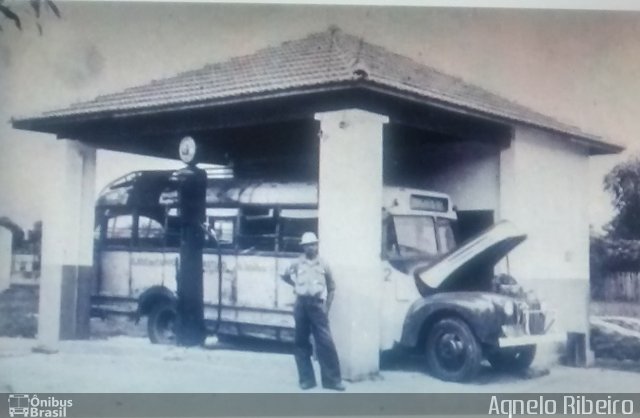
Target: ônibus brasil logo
<point x="31" y="406"/>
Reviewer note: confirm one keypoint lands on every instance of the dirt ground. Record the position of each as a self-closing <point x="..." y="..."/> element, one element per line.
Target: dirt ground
<point x="131" y="364"/>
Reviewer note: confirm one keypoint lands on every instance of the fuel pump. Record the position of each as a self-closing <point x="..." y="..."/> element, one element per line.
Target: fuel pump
<point x="192" y="189"/>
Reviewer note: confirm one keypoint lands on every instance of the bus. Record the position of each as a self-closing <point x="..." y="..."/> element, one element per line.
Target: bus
<point x="438" y="297"/>
<point x="18" y="405"/>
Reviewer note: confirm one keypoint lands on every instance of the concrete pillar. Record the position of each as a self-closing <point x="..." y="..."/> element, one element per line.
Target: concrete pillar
<point x="350" y="205"/>
<point x="67" y="244"/>
<point x="6" y="238"/>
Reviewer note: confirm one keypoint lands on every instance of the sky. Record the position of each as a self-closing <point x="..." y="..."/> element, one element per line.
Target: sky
<point x="581" y="67"/>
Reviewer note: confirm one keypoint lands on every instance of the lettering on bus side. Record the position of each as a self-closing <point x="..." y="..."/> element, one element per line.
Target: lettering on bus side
<point x="210" y="265"/>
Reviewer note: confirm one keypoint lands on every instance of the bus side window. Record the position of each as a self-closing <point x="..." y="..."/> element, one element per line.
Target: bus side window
<point x="150" y="232"/>
<point x="223" y="221"/>
<point x="257" y="229"/>
<point x="293" y="223"/>
<point x="119" y="230"/>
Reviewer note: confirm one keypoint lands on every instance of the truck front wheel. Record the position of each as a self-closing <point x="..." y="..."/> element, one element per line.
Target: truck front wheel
<point x="162" y="322"/>
<point x="452" y="351"/>
<point x="512" y="359"/>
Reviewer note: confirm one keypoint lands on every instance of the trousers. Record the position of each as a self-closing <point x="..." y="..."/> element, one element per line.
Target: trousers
<point x="311" y="319"/>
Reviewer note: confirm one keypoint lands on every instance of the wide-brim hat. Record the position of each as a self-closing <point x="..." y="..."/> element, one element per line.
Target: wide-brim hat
<point x="308" y="238"/>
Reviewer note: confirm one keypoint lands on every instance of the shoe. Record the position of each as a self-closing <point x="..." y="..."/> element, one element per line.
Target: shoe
<point x="307" y="385"/>
<point x="336" y="386"/>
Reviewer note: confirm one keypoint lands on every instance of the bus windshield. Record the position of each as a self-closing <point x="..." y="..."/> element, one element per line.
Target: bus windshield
<point x="418" y="236"/>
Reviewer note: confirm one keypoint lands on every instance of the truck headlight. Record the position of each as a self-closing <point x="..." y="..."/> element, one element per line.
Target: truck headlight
<point x="509" y="308"/>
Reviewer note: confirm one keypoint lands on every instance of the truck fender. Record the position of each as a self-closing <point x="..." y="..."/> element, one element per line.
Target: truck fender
<point x="480" y="313"/>
<point x="150" y="297"/>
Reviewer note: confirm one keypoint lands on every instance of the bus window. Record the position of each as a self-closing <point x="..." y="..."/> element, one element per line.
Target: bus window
<point x="150" y="232"/>
<point x="257" y="229"/>
<point x="293" y="223"/>
<point x="119" y="230"/>
<point x="223" y="221"/>
<point x="414" y="236"/>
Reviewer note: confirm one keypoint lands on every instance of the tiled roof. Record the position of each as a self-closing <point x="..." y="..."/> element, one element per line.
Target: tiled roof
<point x="325" y="58"/>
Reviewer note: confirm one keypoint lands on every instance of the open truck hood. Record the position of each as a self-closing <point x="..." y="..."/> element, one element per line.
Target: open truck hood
<point x="486" y="249"/>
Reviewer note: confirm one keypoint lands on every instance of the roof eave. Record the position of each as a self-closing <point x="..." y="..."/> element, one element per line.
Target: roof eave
<point x="595" y="145"/>
<point x="48" y="124"/>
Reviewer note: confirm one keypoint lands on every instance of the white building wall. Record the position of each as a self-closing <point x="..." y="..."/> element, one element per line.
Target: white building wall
<point x="472" y="181"/>
<point x="5" y="258"/>
<point x="543" y="190"/>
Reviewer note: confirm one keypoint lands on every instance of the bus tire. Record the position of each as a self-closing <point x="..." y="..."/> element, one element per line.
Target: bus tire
<point x="512" y="359"/>
<point x="162" y="322"/>
<point x="452" y="351"/>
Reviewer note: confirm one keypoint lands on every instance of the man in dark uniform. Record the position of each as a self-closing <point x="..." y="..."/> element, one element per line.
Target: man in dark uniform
<point x="314" y="288"/>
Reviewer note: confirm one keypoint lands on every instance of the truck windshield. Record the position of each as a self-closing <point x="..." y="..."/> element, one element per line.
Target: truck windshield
<point x="410" y="236"/>
<point x="415" y="236"/>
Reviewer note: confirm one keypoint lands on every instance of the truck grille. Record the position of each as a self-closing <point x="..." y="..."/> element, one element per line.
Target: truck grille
<point x="534" y="322"/>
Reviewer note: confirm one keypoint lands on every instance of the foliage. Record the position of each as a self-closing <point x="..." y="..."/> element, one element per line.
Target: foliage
<point x="614" y="255"/>
<point x="10" y="11"/>
<point x="610" y="255"/>
<point x="623" y="183"/>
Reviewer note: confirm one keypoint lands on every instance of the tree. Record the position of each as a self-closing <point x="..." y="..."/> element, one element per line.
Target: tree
<point x="11" y="12"/>
<point x="623" y="183"/>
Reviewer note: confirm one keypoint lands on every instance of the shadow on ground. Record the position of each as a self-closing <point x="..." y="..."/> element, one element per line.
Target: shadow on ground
<point x="402" y="360"/>
<point x="235" y="343"/>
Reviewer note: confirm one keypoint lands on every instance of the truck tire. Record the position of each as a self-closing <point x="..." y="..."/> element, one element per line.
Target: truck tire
<point x="161" y="323"/>
<point x="512" y="359"/>
<point x="452" y="351"/>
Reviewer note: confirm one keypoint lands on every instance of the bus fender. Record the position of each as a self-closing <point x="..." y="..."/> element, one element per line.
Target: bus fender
<point x="150" y="297"/>
<point x="477" y="309"/>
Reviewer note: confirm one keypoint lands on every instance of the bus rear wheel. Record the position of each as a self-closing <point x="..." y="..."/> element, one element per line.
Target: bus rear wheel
<point x="452" y="351"/>
<point x="161" y="325"/>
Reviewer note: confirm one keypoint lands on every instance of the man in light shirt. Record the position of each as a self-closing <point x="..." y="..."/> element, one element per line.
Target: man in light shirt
<point x="314" y="288"/>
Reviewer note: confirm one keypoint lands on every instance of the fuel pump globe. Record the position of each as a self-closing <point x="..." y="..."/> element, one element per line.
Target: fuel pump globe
<point x="187" y="149"/>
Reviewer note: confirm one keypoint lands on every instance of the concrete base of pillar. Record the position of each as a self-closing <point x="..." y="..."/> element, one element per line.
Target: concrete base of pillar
<point x="76" y="302"/>
<point x="65" y="292"/>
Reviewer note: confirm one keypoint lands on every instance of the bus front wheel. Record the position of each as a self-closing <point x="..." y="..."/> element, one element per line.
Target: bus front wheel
<point x="161" y="325"/>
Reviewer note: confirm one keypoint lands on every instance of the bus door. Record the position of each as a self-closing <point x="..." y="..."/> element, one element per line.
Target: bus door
<point x="154" y="253"/>
<point x="256" y="273"/>
<point x="224" y="222"/>
<point x="115" y="254"/>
